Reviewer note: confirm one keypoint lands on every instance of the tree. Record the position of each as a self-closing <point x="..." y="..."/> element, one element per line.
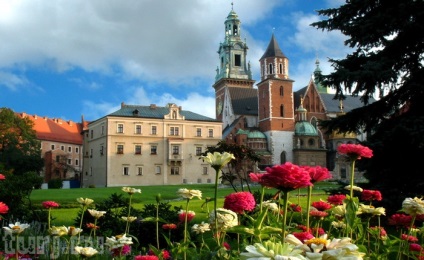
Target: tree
<point x="19" y="147"/>
<point x="388" y="41"/>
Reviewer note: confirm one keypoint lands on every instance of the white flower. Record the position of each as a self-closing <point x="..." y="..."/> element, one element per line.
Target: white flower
<point x="218" y="160"/>
<point x="58" y="231"/>
<point x="118" y="241"/>
<point x="271" y="250"/>
<point x="85" y="251"/>
<point x="368" y="209"/>
<point x="96" y="214"/>
<point x="15" y="229"/>
<point x="338" y="224"/>
<point x="226" y="218"/>
<point x="354" y="188"/>
<point x="189" y="194"/>
<point x="339" y="211"/>
<point x="73" y="231"/>
<point x="272" y="206"/>
<point x="413" y="206"/>
<point x="129" y="219"/>
<point x="201" y="228"/>
<point x="85" y="202"/>
<point x="130" y="190"/>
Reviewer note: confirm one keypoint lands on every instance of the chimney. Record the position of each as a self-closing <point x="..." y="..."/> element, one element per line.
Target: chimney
<point x="122" y="104"/>
<point x="152" y="106"/>
<point x="70" y="122"/>
<point x="35" y="116"/>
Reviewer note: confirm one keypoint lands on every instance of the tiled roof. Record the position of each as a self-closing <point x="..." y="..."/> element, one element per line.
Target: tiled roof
<point x="157" y="112"/>
<point x="273" y="50"/>
<point x="57" y="130"/>
<point x="244" y="100"/>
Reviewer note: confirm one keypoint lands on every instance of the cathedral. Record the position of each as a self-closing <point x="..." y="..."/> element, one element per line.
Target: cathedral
<point x="279" y="124"/>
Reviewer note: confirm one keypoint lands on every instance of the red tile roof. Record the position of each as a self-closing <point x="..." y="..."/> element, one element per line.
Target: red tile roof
<point x="57" y="130"/>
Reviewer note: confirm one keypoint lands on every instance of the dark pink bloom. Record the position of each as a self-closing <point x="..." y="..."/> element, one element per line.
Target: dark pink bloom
<point x="355" y="151"/>
<point x="370" y="195"/>
<point x="415" y="247"/>
<point x="379" y="231"/>
<point x="295" y="208"/>
<point x="318" y="173"/>
<point x="336" y="199"/>
<point x="169" y="226"/>
<point x="146" y="257"/>
<point x="256" y="177"/>
<point x="121" y="251"/>
<point x="320" y="231"/>
<point x="50" y="204"/>
<point x="303" y="236"/>
<point x="2" y="177"/>
<point x="227" y="246"/>
<point x="240" y="202"/>
<point x="286" y="177"/>
<point x="3" y="208"/>
<point x="321" y="205"/>
<point x="318" y="214"/>
<point x="165" y="254"/>
<point x="400" y="220"/>
<point x="411" y="239"/>
<point x="182" y="215"/>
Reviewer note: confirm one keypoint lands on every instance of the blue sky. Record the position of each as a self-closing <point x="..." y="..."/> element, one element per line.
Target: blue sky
<point x="64" y="59"/>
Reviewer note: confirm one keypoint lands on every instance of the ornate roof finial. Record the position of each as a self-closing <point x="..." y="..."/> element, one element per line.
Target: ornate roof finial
<point x="301" y="100"/>
<point x="232" y="6"/>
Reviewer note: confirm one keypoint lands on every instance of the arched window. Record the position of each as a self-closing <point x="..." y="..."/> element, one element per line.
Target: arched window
<point x="281" y="68"/>
<point x="282" y="110"/>
<point x="235" y="29"/>
<point x="281" y="91"/>
<point x="283" y="157"/>
<point x="270" y="69"/>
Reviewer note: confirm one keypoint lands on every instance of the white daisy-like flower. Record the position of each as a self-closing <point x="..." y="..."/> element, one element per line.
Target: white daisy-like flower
<point x="369" y="209"/>
<point x="73" y="231"/>
<point x="356" y="188"/>
<point x="189" y="194"/>
<point x="85" y="251"/>
<point x="272" y="250"/>
<point x="118" y="241"/>
<point x="129" y="219"/>
<point x="226" y="218"/>
<point x="130" y="190"/>
<point x="58" y="231"/>
<point x="413" y="206"/>
<point x="201" y="228"/>
<point x="218" y="160"/>
<point x="85" y="202"/>
<point x="96" y="214"/>
<point x="271" y="206"/>
<point x="339" y="211"/>
<point x="16" y="228"/>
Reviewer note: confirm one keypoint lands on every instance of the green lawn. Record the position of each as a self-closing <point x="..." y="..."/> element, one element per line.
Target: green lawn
<point x="69" y="208"/>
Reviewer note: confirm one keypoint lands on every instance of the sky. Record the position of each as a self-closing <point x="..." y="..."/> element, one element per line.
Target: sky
<point x="70" y="59"/>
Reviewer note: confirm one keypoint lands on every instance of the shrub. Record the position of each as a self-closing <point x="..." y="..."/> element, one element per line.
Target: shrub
<point x="55" y="184"/>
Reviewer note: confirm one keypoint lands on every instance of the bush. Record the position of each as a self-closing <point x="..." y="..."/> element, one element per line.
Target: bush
<point x="55" y="184"/>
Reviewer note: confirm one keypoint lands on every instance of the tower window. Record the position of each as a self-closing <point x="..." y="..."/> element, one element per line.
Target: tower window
<point x="270" y="69"/>
<point x="282" y="110"/>
<point x="281" y="91"/>
<point x="281" y="68"/>
<point x="237" y="60"/>
<point x="235" y="30"/>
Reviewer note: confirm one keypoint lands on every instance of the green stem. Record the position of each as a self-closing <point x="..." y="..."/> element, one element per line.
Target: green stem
<point x="127" y="227"/>
<point x="218" y="170"/>
<point x="157" y="224"/>
<point x="185" y="228"/>
<point x="285" y="202"/>
<point x="262" y="198"/>
<point x="352" y="177"/>
<point x="308" y="207"/>
<point x="80" y="226"/>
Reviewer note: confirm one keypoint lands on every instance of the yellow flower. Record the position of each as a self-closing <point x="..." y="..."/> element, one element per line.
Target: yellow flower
<point x="58" y="231"/>
<point x="368" y="209"/>
<point x="413" y="206"/>
<point x="96" y="214"/>
<point x="339" y="211"/>
<point x="218" y="160"/>
<point x="354" y="188"/>
<point x="85" y="251"/>
<point x="189" y="194"/>
<point x="85" y="202"/>
<point x="130" y="190"/>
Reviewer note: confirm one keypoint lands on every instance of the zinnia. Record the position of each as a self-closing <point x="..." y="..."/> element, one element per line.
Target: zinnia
<point x="50" y="204"/>
<point x="169" y="226"/>
<point x="286" y="177"/>
<point x="321" y="205"/>
<point x="182" y="215"/>
<point x="317" y="173"/>
<point x="336" y="199"/>
<point x="146" y="257"/>
<point x="240" y="202"/>
<point x="400" y="220"/>
<point x="225" y="218"/>
<point x="2" y="177"/>
<point x="189" y="194"/>
<point x="370" y="195"/>
<point x="413" y="206"/>
<point x="355" y="151"/>
<point x="3" y="208"/>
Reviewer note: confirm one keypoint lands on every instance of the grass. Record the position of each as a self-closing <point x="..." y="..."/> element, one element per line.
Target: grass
<point x="69" y="208"/>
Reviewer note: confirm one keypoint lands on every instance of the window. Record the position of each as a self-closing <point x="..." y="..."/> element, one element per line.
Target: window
<point x="91" y="153"/>
<point x="282" y="110"/>
<point x="139" y="170"/>
<point x="57" y="158"/>
<point x="311" y="142"/>
<point x="137" y="149"/>
<point x="154" y="129"/>
<point x="198" y="150"/>
<point x="173" y="130"/>
<point x="270" y="69"/>
<point x="281" y="68"/>
<point x="103" y="130"/>
<point x="175" y="149"/>
<point x="76" y="162"/>
<point x="69" y="161"/>
<point x="120" y="128"/>
<point x="343" y="174"/>
<point x="52" y="146"/>
<point x="157" y="169"/>
<point x="199" y="132"/>
<point x="91" y="134"/>
<point x="101" y="150"/>
<point x="76" y="149"/>
<point x="237" y="60"/>
<point x="91" y="171"/>
<point x="62" y="147"/>
<point x="281" y="91"/>
<point x="153" y="149"/>
<point x="69" y="149"/>
<point x="205" y="170"/>
<point x="120" y="149"/>
<point x="138" y="129"/>
<point x="210" y="133"/>
<point x="175" y="170"/>
<point x="126" y="170"/>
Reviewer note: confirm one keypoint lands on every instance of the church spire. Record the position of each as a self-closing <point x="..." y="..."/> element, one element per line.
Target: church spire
<point x="274" y="64"/>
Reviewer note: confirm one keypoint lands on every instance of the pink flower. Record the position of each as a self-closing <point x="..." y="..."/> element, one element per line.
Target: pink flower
<point x="121" y="251"/>
<point x="50" y="204"/>
<point x="146" y="257"/>
<point x="295" y="208"/>
<point x="240" y="202"/>
<point x="256" y="177"/>
<point x="410" y="239"/>
<point x="2" y="177"/>
<point x="3" y="208"/>
<point x="370" y="195"/>
<point x="227" y="246"/>
<point x="355" y="151"/>
<point x="169" y="226"/>
<point x="303" y="236"/>
<point x="400" y="220"/>
<point x="165" y="254"/>
<point x="286" y="177"/>
<point x="321" y="205"/>
<point x="415" y="247"/>
<point x="318" y="173"/>
<point x="336" y="199"/>
<point x="318" y="214"/>
<point x="182" y="215"/>
<point x="381" y="232"/>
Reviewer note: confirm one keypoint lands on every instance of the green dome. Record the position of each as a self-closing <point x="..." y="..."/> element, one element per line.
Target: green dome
<point x="256" y="134"/>
<point x="305" y="128"/>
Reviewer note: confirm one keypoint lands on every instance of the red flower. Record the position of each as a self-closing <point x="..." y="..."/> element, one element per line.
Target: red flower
<point x="336" y="199"/>
<point x="370" y="195"/>
<point x="320" y="231"/>
<point x="318" y="214"/>
<point x="318" y="173"/>
<point x="303" y="236"/>
<point x="381" y="232"/>
<point x="415" y="247"/>
<point x="165" y="254"/>
<point x="91" y="226"/>
<point x="3" y="208"/>
<point x="410" y="239"/>
<point x="121" y="251"/>
<point x="321" y="205"/>
<point x="2" y="177"/>
<point x="286" y="177"/>
<point x="227" y="246"/>
<point x="256" y="177"/>
<point x="182" y="215"/>
<point x="400" y="220"/>
<point x="295" y="208"/>
<point x="169" y="226"/>
<point x="355" y="151"/>
<point x="146" y="257"/>
<point x="50" y="204"/>
<point x="240" y="202"/>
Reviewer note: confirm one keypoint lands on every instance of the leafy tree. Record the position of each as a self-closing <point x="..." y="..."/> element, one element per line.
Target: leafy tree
<point x="388" y="41"/>
<point x="239" y="168"/>
<point x="19" y="147"/>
